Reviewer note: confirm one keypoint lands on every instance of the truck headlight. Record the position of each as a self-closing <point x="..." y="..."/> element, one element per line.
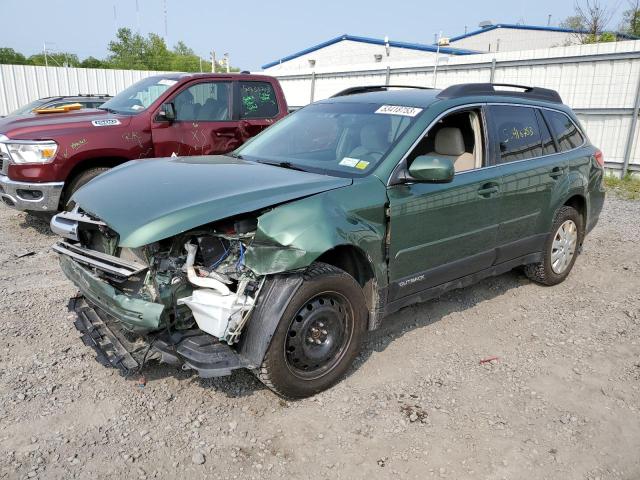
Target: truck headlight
<point x="32" y="152"/>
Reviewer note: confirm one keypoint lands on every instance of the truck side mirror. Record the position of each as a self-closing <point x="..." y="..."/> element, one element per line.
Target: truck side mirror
<point x="167" y="113"/>
<point x="427" y="168"/>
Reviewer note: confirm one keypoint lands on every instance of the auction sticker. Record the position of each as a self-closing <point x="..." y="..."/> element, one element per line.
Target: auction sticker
<point x="362" y="164"/>
<point x="109" y="122"/>
<point x="399" y="110"/>
<point x="349" y="162"/>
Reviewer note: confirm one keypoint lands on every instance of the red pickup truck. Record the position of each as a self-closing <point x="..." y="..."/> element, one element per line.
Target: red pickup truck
<point x="44" y="159"/>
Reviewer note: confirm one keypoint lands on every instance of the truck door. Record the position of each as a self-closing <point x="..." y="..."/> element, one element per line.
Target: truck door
<point x="204" y="122"/>
<point x="258" y="106"/>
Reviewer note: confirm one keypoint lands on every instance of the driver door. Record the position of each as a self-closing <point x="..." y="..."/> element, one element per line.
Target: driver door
<point x="204" y="123"/>
<point x="441" y="232"/>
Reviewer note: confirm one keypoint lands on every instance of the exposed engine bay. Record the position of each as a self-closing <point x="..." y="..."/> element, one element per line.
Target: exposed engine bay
<point x="195" y="283"/>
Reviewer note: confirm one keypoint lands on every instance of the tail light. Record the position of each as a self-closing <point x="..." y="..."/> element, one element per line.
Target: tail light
<point x="599" y="157"/>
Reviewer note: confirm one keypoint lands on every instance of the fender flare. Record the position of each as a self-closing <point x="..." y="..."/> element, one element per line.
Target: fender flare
<point x="271" y="304"/>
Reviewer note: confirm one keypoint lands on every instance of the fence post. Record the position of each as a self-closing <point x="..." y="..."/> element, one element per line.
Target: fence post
<point x="493" y="70"/>
<point x="386" y="81"/>
<point x="632" y="131"/>
<point x="313" y="86"/>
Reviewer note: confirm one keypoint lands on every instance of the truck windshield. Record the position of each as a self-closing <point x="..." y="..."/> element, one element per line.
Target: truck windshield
<point x="27" y="108"/>
<point x="138" y="96"/>
<point x="341" y="139"/>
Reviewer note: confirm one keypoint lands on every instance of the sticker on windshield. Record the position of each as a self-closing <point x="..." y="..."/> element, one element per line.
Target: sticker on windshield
<point x="105" y="123"/>
<point x="362" y="164"/>
<point x="166" y="82"/>
<point x="399" y="110"/>
<point x="349" y="162"/>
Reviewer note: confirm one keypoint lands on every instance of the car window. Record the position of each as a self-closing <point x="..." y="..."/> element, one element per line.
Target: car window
<point x="207" y="102"/>
<point x="565" y="131"/>
<point x="548" y="144"/>
<point x="257" y="100"/>
<point x="516" y="132"/>
<point x="342" y="139"/>
<point x="456" y="137"/>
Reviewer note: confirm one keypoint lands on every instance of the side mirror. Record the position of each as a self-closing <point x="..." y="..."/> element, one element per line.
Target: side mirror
<point x="426" y="168"/>
<point x="167" y="113"/>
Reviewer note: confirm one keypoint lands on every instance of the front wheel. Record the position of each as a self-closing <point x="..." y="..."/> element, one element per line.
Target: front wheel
<point x="561" y="248"/>
<point x="319" y="334"/>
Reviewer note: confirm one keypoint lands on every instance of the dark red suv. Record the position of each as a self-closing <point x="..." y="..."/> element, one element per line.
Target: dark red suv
<point x="43" y="160"/>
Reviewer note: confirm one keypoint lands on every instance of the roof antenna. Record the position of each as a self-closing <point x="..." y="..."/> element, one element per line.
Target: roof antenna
<point x="549" y="21"/>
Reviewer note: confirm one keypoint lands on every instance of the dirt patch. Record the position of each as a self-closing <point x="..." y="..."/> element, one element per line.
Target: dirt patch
<point x="561" y="400"/>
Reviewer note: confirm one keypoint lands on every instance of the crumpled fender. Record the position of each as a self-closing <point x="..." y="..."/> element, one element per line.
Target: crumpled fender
<point x="293" y="235"/>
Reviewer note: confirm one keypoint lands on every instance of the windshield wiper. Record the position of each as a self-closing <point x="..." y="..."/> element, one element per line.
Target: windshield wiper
<point x="235" y="155"/>
<point x="288" y="165"/>
<point x="107" y="109"/>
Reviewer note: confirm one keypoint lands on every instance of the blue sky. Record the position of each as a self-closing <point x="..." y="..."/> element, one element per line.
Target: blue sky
<point x="255" y="32"/>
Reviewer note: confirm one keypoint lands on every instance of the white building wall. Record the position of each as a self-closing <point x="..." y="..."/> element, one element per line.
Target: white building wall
<point x="349" y="53"/>
<point x="511" y="39"/>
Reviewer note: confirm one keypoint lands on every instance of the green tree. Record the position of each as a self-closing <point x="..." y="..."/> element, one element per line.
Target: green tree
<point x="631" y="19"/>
<point x="10" y="56"/>
<point x="590" y="21"/>
<point x="157" y="55"/>
<point x="127" y="50"/>
<point x="92" y="62"/>
<point x="55" y="59"/>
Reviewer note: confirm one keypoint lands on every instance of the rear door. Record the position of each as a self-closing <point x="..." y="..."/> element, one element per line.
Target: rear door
<point x="204" y="124"/>
<point x="258" y="107"/>
<point x="530" y="170"/>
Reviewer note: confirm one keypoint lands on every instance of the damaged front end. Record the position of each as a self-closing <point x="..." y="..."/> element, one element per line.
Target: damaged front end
<point x="182" y="300"/>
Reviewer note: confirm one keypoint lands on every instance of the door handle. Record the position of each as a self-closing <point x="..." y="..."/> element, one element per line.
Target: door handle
<point x="488" y="189"/>
<point x="556" y="172"/>
<point x="226" y="134"/>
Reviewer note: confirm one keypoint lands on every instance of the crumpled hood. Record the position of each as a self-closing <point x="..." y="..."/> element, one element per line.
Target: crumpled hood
<point x="148" y="200"/>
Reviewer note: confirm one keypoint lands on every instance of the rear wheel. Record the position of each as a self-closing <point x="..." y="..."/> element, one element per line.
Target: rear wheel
<point x="319" y="334"/>
<point x="561" y="248"/>
<point x="80" y="180"/>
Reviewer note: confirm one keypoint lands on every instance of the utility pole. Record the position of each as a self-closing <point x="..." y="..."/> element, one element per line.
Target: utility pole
<point x="226" y="61"/>
<point x="200" y="58"/>
<point x="166" y="30"/>
<point x="435" y="66"/>
<point x="213" y="61"/>
<point x="44" y="49"/>
<point x="138" y="18"/>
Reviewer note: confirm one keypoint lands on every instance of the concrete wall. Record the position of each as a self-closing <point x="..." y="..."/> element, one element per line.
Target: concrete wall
<point x="349" y="53"/>
<point x="510" y="39"/>
<point x="600" y="82"/>
<point x="20" y="84"/>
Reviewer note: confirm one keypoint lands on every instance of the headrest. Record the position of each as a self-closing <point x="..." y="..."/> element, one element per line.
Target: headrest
<point x="449" y="141"/>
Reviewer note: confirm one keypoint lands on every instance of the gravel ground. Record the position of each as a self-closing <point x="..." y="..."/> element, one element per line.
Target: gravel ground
<point x="562" y="400"/>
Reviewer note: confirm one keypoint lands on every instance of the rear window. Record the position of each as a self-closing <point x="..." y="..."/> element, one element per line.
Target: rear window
<point x="548" y="145"/>
<point x="565" y="131"/>
<point x="257" y="100"/>
<point x="517" y="133"/>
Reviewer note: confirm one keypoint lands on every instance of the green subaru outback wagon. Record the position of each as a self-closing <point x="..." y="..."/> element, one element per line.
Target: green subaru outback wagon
<point x="281" y="255"/>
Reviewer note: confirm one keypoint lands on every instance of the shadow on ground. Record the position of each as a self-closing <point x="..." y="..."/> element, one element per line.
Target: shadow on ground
<point x="38" y="221"/>
<point x="242" y="383"/>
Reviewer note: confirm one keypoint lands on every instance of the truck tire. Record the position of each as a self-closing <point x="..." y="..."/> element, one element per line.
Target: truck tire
<point x="81" y="179"/>
<point x="561" y="248"/>
<point x="318" y="336"/>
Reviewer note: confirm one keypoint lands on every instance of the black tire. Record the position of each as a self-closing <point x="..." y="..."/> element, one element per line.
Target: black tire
<point x="331" y="304"/>
<point x="544" y="272"/>
<point x="80" y="180"/>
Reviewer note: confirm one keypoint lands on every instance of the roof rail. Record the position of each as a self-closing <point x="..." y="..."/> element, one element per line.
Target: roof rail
<point x="468" y="89"/>
<point x="373" y="88"/>
<point x="91" y="95"/>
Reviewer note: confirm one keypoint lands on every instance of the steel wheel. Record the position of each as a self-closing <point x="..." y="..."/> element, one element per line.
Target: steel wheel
<point x="318" y="335"/>
<point x="563" y="247"/>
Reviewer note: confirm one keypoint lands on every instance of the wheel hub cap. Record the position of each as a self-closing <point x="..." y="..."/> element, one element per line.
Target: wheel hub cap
<point x="564" y="246"/>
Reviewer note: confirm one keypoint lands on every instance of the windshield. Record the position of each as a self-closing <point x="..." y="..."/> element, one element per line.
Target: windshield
<point x="28" y="107"/>
<point x="138" y="96"/>
<point x="342" y="139"/>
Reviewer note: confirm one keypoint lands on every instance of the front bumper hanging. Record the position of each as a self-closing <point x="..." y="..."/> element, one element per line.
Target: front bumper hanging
<point x="192" y="349"/>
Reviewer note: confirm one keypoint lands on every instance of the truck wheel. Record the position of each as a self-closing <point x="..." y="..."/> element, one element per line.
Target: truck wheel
<point x="319" y="334"/>
<point x="561" y="248"/>
<point x="80" y="179"/>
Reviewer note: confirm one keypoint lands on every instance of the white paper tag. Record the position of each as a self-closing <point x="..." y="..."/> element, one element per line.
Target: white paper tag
<point x="349" y="162"/>
<point x="105" y="123"/>
<point x="399" y="110"/>
<point x="167" y="82"/>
